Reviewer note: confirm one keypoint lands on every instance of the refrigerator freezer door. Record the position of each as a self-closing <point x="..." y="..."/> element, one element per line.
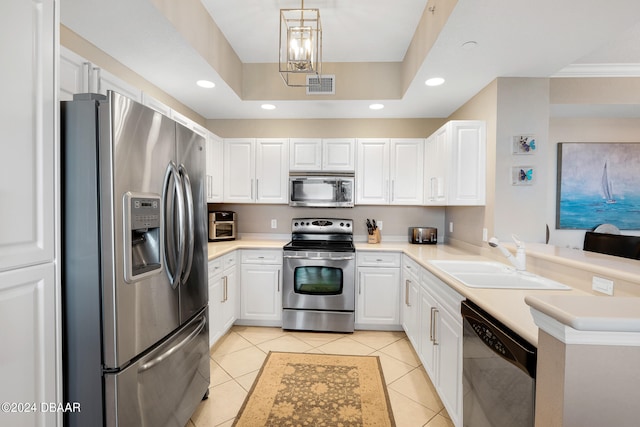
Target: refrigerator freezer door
<point x="164" y="387"/>
<point x="135" y="150"/>
<point x="191" y="160"/>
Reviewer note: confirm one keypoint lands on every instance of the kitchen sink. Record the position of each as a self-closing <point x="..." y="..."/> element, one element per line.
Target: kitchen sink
<point x="494" y="275"/>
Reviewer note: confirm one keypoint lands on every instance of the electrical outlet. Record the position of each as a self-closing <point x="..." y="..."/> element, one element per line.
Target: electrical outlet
<point x="601" y="285"/>
<point x="274" y="223"/>
<point x="485" y="235"/>
<point x="379" y="224"/>
<point x="451" y="227"/>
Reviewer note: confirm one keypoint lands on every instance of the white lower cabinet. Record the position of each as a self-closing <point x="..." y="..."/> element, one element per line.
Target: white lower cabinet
<point x="441" y="341"/>
<point x="410" y="300"/>
<point x="223" y="298"/>
<point x="261" y="288"/>
<point x="378" y="290"/>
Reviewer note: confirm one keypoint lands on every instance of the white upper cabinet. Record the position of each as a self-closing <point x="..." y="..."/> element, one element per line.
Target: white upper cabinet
<point x="406" y="171"/>
<point x="271" y="170"/>
<point x="372" y="172"/>
<point x="305" y="154"/>
<point x="339" y="154"/>
<point x="389" y="171"/>
<point x="315" y="154"/>
<point x="239" y="170"/>
<point x="455" y="164"/>
<point x="78" y="75"/>
<point x="74" y="74"/>
<point x="153" y="103"/>
<point x="255" y="171"/>
<point x="215" y="164"/>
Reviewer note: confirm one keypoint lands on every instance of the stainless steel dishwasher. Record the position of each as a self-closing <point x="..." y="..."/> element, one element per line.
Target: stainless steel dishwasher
<point x="499" y="371"/>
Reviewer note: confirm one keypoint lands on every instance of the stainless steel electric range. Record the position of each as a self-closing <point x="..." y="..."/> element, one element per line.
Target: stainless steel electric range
<point x="319" y="276"/>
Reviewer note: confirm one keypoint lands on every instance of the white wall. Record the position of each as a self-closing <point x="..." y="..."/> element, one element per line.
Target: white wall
<point x="523" y="109"/>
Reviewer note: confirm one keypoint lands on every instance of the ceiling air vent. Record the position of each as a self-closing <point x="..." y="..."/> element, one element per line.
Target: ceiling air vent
<point x="321" y="85"/>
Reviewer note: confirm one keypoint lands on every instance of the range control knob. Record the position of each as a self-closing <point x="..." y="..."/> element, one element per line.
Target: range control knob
<point x="342" y="224"/>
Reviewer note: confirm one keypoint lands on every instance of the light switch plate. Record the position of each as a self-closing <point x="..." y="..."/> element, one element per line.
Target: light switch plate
<point x="274" y="223"/>
<point x="601" y="285"/>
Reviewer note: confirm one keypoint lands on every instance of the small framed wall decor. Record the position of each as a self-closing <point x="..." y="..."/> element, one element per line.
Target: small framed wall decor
<point x="522" y="175"/>
<point x="524" y="144"/>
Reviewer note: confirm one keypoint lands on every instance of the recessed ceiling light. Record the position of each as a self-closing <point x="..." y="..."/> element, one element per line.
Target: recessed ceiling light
<point x="376" y="106"/>
<point x="206" y="84"/>
<point x="268" y="107"/>
<point x="434" y="81"/>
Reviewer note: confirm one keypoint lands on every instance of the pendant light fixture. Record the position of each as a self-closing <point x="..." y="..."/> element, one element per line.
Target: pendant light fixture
<point x="300" y="45"/>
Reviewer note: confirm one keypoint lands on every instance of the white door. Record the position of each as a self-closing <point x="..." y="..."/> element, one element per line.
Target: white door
<point x="468" y="163"/>
<point x="261" y="297"/>
<point x="216" y="300"/>
<point x="378" y="296"/>
<point x="230" y="282"/>
<point x="74" y="74"/>
<point x="215" y="162"/>
<point x="107" y="81"/>
<point x="372" y="172"/>
<point x="305" y="154"/>
<point x="435" y="172"/>
<point x="272" y="159"/>
<point x="428" y="326"/>
<point x="406" y="172"/>
<point x="239" y="170"/>
<point x="450" y="362"/>
<point x="339" y="154"/>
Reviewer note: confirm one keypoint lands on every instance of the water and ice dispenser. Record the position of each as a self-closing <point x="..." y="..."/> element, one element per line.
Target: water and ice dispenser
<point x="143" y="240"/>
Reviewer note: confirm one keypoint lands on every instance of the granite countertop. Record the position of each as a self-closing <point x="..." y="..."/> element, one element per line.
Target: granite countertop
<point x="507" y="305"/>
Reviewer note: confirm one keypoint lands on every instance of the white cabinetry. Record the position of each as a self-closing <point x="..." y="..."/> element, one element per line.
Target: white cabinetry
<point x="390" y="172"/>
<point x="261" y="284"/>
<point x="455" y="164"/>
<point x="255" y="171"/>
<point x="315" y="154"/>
<point x="215" y="162"/>
<point x="441" y="341"/>
<point x="78" y="75"/>
<point x="378" y="290"/>
<point x="223" y="299"/>
<point x="29" y="222"/>
<point x="410" y="300"/>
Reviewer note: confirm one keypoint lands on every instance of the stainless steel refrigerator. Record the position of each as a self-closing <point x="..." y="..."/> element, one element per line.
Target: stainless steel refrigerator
<point x="134" y="279"/>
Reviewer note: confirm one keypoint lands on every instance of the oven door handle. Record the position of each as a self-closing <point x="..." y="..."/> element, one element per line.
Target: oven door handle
<point x="319" y="258"/>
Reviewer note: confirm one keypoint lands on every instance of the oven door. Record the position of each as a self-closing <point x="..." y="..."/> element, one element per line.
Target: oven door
<point x="319" y="281"/>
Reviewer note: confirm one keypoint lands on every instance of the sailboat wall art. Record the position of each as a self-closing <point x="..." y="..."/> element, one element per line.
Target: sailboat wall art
<point x="598" y="183"/>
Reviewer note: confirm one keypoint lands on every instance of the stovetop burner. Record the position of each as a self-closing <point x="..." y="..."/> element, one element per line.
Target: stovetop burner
<point x="321" y="234"/>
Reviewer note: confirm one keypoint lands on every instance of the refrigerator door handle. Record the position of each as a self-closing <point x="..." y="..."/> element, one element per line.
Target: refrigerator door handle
<point x="190" y="230"/>
<point x="156" y="360"/>
<point x="173" y="254"/>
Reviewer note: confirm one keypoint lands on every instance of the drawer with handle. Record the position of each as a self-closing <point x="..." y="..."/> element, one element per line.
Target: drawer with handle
<point x="378" y="259"/>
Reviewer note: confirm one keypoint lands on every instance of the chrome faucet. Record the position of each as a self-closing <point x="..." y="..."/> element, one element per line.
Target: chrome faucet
<point x="520" y="260"/>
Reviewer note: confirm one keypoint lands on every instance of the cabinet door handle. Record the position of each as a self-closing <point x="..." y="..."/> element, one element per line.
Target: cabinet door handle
<point x="257" y="189"/>
<point x="434" y="325"/>
<point x="431" y="332"/>
<point x="406" y="292"/>
<point x="360" y="284"/>
<point x="278" y="280"/>
<point x="226" y="288"/>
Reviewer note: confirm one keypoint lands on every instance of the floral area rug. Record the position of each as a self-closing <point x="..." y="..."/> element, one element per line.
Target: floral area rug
<point x="304" y="389"/>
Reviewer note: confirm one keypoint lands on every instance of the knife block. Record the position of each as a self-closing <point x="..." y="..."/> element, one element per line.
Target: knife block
<point x="375" y="237"/>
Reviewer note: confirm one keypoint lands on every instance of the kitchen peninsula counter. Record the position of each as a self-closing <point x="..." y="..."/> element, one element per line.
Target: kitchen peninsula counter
<point x="571" y="267"/>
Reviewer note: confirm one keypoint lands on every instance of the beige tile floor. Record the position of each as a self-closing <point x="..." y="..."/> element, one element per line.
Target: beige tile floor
<point x="238" y="356"/>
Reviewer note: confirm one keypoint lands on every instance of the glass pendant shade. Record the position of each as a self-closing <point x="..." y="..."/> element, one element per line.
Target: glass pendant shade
<point x="300" y="45"/>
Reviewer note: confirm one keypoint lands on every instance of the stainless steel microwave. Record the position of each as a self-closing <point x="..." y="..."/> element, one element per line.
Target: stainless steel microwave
<point x="321" y="190"/>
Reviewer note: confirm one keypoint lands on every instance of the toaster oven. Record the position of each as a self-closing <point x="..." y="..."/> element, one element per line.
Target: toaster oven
<point x="222" y="225"/>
